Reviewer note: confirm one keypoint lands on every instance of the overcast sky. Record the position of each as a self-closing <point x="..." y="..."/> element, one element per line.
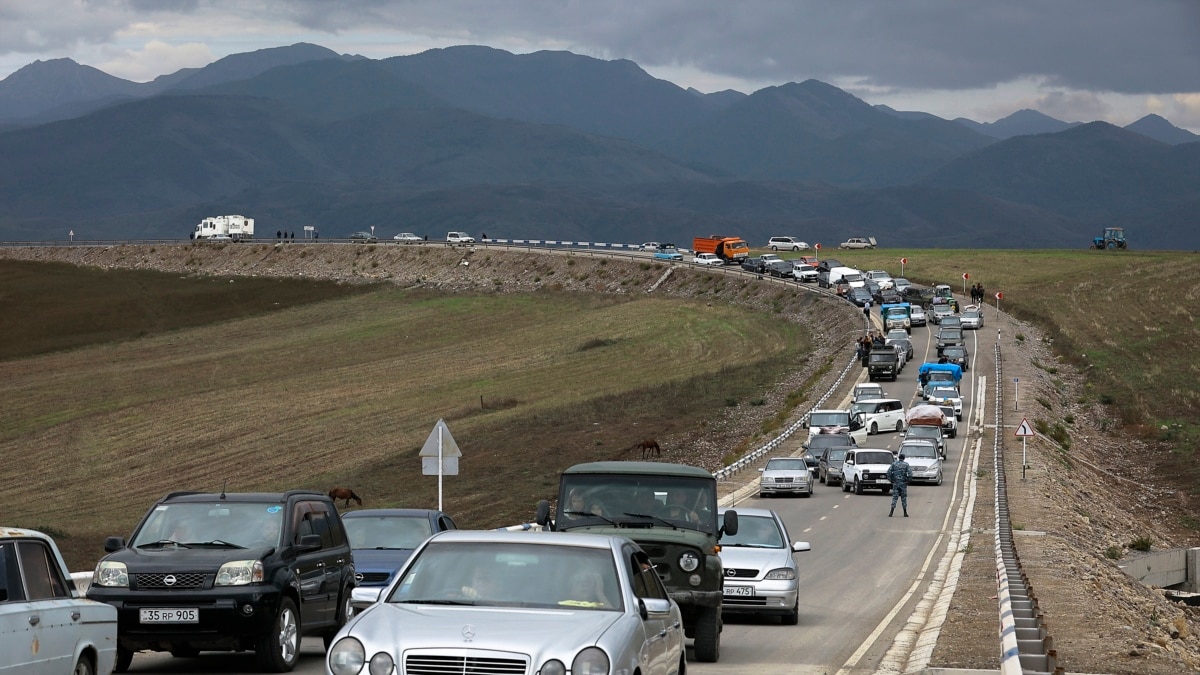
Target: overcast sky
<point x="1076" y="60"/>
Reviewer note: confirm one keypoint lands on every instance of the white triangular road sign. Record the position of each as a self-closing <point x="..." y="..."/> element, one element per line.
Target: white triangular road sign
<point x="449" y="447"/>
<point x="1024" y="429"/>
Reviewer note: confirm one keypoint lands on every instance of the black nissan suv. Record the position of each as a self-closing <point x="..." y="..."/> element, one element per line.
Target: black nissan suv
<point x="229" y="572"/>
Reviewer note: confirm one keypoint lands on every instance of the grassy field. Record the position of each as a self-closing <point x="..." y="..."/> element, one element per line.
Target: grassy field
<point x="344" y="389"/>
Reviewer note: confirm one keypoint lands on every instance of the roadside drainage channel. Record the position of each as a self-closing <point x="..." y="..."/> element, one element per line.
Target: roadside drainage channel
<point x="1025" y="643"/>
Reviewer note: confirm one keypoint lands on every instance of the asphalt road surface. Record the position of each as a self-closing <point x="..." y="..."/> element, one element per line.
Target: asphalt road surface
<point x="860" y="583"/>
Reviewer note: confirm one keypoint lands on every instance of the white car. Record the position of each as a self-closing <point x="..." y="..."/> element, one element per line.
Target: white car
<point x="46" y="625"/>
<point x="407" y="238"/>
<point x="707" y="259"/>
<point x="858" y="242"/>
<point x="972" y="317"/>
<point x="866" y="469"/>
<point x="651" y="246"/>
<point x="881" y="413"/>
<point x="786" y="243"/>
<point x="459" y="238"/>
<point x="916" y="315"/>
<point x="882" y="278"/>
<point x="867" y="390"/>
<point x="804" y="273"/>
<point x="219" y="237"/>
<point x="948" y="396"/>
<point x="768" y="258"/>
<point x="835" y="422"/>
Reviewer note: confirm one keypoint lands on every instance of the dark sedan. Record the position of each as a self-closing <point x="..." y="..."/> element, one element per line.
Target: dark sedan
<point x="382" y="539"/>
<point x="859" y="296"/>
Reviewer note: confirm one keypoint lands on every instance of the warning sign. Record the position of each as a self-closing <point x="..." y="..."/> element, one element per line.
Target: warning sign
<point x="1024" y="429"/>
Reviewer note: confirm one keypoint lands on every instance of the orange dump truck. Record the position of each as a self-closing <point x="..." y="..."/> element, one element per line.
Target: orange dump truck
<point x="732" y="250"/>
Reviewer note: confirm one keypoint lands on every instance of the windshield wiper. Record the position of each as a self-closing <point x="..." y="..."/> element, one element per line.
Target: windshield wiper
<point x="164" y="542"/>
<point x="653" y="517"/>
<point x="436" y="602"/>
<point x="749" y="545"/>
<point x="589" y="514"/>
<point x="216" y="543"/>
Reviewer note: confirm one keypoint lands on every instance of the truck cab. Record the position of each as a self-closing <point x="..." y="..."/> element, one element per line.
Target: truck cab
<point x="670" y="510"/>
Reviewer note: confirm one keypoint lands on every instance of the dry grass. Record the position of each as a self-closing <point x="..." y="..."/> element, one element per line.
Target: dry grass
<point x="345" y="391"/>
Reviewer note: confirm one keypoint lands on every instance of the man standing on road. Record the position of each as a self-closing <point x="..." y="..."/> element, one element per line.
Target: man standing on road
<point x="899" y="473"/>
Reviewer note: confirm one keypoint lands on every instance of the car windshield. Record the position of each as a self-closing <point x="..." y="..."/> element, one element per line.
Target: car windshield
<point x="830" y="441"/>
<point x="882" y="357"/>
<point x="897" y="311"/>
<point x="944" y="392"/>
<point x="873" y="458"/>
<point x="838" y="418"/>
<point x="805" y="268"/>
<point x="940" y="376"/>
<point x="756" y="532"/>
<point x="924" y="431"/>
<point x="786" y="464"/>
<point x="614" y="499"/>
<point x="223" y="524"/>
<point x="921" y="450"/>
<point x="970" y="314"/>
<point x="387" y="532"/>
<point x="836" y="455"/>
<point x="852" y="277"/>
<point x="505" y="574"/>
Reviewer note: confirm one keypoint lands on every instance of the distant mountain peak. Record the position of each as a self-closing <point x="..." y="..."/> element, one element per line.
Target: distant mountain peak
<point x="1158" y="128"/>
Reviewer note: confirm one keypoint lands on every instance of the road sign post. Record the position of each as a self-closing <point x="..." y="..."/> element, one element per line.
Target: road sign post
<point x="999" y="295"/>
<point x="1024" y="431"/>
<point x="903" y="262"/>
<point x="1016" y="396"/>
<point x="817" y="251"/>
<point x="965" y="277"/>
<point x="440" y="455"/>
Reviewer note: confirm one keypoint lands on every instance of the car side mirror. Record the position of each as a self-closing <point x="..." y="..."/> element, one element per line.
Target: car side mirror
<point x="310" y="542"/>
<point x="799" y="546"/>
<point x="730" y="524"/>
<point x="542" y="517"/>
<point x="112" y="544"/>
<point x="362" y="597"/>
<point x="653" y="607"/>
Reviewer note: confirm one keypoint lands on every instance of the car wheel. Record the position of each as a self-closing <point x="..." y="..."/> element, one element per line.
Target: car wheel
<point x="845" y="486"/>
<point x="821" y="477"/>
<point x="762" y="495"/>
<point x="84" y="666"/>
<point x="774" y="248"/>
<point x="708" y="634"/>
<point x="939" y="479"/>
<point x="279" y="649"/>
<point x="958" y="417"/>
<point x="874" y="429"/>
<point x="124" y="659"/>
<point x="899" y="425"/>
<point x="683" y="662"/>
<point x="793" y="617"/>
<point x="344" y="612"/>
<point x="857" y="488"/>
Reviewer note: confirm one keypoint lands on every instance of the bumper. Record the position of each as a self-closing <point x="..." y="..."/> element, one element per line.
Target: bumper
<point x="697" y="598"/>
<point x="874" y="483"/>
<point x="228" y="619"/>
<point x="785" y="488"/>
<point x="833" y="476"/>
<point x="770" y="597"/>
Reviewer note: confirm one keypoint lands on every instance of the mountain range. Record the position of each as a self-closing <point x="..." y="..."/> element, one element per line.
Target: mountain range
<point x="561" y="146"/>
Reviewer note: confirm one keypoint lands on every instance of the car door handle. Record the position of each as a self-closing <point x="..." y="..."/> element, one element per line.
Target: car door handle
<point x="35" y="620"/>
<point x="75" y="615"/>
<point x="321" y="563"/>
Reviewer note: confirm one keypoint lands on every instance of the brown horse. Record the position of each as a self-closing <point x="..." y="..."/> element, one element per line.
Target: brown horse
<point x="344" y="493"/>
<point x="647" y="445"/>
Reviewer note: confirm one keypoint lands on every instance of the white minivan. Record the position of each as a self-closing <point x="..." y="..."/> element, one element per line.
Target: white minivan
<point x="459" y="238"/>
<point x="880" y="413"/>
<point x="850" y="275"/>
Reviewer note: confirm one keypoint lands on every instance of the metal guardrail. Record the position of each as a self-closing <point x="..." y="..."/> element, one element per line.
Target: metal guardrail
<point x="1025" y="645"/>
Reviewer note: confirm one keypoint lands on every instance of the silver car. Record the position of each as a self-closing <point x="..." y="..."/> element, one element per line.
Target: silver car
<point x="785" y="475"/>
<point x="972" y="318"/>
<point x="922" y="456"/>
<point x="916" y="315"/>
<point x="46" y="626"/>
<point x="761" y="576"/>
<point x="516" y="602"/>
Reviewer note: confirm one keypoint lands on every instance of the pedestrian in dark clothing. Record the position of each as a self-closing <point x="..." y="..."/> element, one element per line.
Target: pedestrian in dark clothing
<point x="278" y="234"/>
<point x="900" y="474"/>
<point x="293" y="235"/>
<point x="982" y="294"/>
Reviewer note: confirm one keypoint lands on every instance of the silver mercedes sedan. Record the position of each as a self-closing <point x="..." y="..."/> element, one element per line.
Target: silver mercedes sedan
<point x="515" y="602"/>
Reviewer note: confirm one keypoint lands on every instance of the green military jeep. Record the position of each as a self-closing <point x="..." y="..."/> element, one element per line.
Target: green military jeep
<point x="670" y="510"/>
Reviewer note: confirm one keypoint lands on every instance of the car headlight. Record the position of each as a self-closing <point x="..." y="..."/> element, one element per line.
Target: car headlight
<point x="781" y="574"/>
<point x="688" y="562"/>
<point x="239" y="573"/>
<point x="381" y="664"/>
<point x="590" y="661"/>
<point x="347" y="657"/>
<point x="111" y="574"/>
<point x="768" y="479"/>
<point x="553" y="667"/>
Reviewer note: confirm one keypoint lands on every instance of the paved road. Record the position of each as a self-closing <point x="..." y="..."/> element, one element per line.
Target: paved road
<point x="860" y="583"/>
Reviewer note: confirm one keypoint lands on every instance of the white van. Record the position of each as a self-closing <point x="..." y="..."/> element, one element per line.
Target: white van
<point x="849" y="275"/>
<point x="885" y="414"/>
<point x="459" y="238"/>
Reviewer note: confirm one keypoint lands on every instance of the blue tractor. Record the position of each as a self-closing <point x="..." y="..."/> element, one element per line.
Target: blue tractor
<point x="1113" y="239"/>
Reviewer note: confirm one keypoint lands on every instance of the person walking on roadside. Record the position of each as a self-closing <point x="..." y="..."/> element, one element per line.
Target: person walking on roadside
<point x="900" y="474"/>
